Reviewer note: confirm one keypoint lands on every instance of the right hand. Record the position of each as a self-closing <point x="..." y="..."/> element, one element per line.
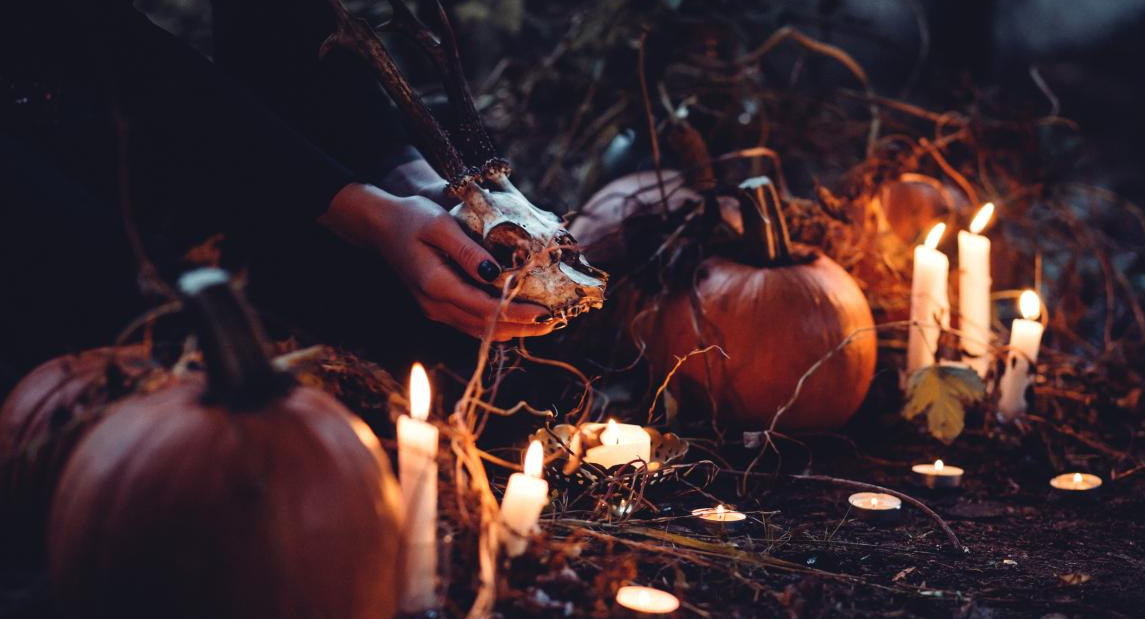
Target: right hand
<point x="420" y="239"/>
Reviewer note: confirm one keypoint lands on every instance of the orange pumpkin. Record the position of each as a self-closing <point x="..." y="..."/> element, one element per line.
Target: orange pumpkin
<point x="775" y="308"/>
<point x="42" y="419"/>
<point x="240" y="496"/>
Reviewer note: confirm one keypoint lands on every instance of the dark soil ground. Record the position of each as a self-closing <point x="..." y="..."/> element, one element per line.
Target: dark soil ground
<point x="1029" y="552"/>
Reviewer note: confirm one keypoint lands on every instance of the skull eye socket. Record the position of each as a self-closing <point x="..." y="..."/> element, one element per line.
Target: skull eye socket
<point x="508" y="243"/>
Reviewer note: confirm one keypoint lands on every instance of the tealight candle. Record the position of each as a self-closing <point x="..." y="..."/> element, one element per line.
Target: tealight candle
<point x="875" y="506"/>
<point x="1076" y="482"/>
<point x="621" y="443"/>
<point x="720" y="519"/>
<point x="929" y="303"/>
<point x="647" y="600"/>
<point x="974" y="291"/>
<point x="525" y="497"/>
<point x="417" y="472"/>
<point x="938" y="475"/>
<point x="1025" y="340"/>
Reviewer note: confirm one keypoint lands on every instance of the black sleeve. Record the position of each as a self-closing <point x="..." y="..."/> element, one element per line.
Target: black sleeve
<point x="272" y="46"/>
<point x="200" y="132"/>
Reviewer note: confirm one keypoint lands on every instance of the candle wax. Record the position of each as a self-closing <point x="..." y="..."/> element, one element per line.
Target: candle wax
<point x="929" y="307"/>
<point x="1025" y="340"/>
<point x="647" y="600"/>
<point x="974" y="299"/>
<point x="417" y="472"/>
<point x="1076" y="482"/>
<point x="621" y="443"/>
<point x="525" y="497"/>
<point x="938" y="475"/>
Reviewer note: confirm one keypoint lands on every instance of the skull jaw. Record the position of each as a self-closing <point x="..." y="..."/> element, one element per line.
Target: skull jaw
<point x="537" y="254"/>
<point x="565" y="291"/>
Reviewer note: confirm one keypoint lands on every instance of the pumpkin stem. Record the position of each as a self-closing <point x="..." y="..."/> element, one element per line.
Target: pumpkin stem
<point x="231" y="338"/>
<point x="779" y="223"/>
<point x="759" y="245"/>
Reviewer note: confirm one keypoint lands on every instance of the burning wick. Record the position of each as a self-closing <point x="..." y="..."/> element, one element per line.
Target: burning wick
<point x="417" y="472"/>
<point x="525" y="498"/>
<point x="978" y="224"/>
<point x="1025" y="340"/>
<point x="1076" y="482"/>
<point x="621" y="443"/>
<point x="647" y="600"/>
<point x="610" y="434"/>
<point x="935" y="236"/>
<point x="929" y="302"/>
<point x="875" y="507"/>
<point x="720" y="520"/>
<point x="938" y="475"/>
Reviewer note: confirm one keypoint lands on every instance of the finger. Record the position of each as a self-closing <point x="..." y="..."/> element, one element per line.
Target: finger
<point x="443" y="284"/>
<point x="446" y="235"/>
<point x="460" y="319"/>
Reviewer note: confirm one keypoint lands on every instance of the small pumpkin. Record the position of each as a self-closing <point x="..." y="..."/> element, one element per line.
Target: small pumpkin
<point x="43" y="418"/>
<point x="776" y="310"/>
<point x="912" y="203"/>
<point x="239" y="496"/>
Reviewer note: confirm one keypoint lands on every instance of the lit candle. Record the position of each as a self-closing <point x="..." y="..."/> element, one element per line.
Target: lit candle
<point x="1025" y="340"/>
<point x="720" y="519"/>
<point x="647" y="600"/>
<point x="875" y="506"/>
<point x="417" y="469"/>
<point x="974" y="291"/>
<point x="938" y="475"/>
<point x="929" y="304"/>
<point x="1076" y="482"/>
<point x="621" y="443"/>
<point x="525" y="497"/>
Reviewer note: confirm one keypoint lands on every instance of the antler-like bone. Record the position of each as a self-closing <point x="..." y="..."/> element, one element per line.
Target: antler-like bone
<point x="530" y="243"/>
<point x="356" y="35"/>
<point x="470" y="136"/>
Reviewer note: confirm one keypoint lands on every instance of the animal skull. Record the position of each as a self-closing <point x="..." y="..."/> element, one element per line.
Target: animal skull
<point x="531" y="244"/>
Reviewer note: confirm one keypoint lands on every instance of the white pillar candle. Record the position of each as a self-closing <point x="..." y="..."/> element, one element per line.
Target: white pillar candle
<point x="621" y="443"/>
<point x="974" y="291"/>
<point x="929" y="304"/>
<point x="417" y="470"/>
<point x="1025" y="340"/>
<point x="525" y="497"/>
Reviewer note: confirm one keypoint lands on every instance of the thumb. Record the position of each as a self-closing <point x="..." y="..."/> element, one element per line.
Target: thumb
<point x="460" y="248"/>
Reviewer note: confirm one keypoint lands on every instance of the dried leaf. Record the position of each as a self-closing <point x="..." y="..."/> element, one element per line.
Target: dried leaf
<point x="1074" y="579"/>
<point x="902" y="575"/>
<point x="942" y="392"/>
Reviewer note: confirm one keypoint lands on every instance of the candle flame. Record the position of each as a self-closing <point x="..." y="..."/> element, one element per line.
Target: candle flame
<point x="419" y="396"/>
<point x="935" y="235"/>
<point x="1030" y="305"/>
<point x="978" y="224"/>
<point x="534" y="459"/>
<point x="1077" y="478"/>
<point x="644" y="599"/>
<point x="610" y="433"/>
<point x="939" y="465"/>
<point x="874" y="502"/>
<point x="720" y="512"/>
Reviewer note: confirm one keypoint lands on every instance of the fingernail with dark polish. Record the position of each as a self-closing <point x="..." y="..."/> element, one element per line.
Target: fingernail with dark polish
<point x="488" y="270"/>
<point x="545" y="318"/>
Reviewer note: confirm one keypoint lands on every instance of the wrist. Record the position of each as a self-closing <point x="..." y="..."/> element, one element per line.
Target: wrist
<point x="417" y="178"/>
<point x="354" y="213"/>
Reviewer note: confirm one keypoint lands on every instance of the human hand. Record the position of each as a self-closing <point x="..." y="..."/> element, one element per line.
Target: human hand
<point x="420" y="240"/>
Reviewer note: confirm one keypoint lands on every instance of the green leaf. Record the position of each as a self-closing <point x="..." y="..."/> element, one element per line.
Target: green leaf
<point x="943" y="392"/>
